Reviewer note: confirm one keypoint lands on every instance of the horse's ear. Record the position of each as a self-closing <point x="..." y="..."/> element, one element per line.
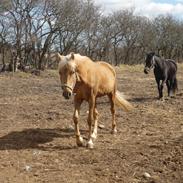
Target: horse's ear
<point x="72" y="55"/>
<point x="60" y="57"/>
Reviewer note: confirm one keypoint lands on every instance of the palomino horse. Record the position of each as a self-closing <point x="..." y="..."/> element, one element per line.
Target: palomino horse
<point x="88" y="80"/>
<point x="164" y="70"/>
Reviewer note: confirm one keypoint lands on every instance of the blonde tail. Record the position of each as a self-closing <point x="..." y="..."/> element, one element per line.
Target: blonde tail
<point x="121" y="102"/>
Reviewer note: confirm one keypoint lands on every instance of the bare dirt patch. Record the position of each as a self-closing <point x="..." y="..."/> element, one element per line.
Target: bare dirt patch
<point x="37" y="142"/>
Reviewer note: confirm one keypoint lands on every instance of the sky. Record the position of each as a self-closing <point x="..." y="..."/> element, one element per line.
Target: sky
<point x="149" y="8"/>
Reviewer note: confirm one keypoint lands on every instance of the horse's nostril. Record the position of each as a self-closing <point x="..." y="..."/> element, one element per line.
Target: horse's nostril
<point x="67" y="95"/>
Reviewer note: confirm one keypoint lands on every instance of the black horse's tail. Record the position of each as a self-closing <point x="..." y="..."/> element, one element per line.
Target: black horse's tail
<point x="175" y="86"/>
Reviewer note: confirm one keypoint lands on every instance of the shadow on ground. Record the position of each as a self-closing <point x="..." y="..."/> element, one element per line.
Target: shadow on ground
<point x="32" y="138"/>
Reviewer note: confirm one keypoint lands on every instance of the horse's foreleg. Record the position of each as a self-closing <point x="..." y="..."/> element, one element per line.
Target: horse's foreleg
<point x="94" y="134"/>
<point x="90" y="120"/>
<point x="161" y="88"/>
<point x="79" y="139"/>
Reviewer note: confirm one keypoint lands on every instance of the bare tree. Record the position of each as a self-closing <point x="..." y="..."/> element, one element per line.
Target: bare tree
<point x="33" y="28"/>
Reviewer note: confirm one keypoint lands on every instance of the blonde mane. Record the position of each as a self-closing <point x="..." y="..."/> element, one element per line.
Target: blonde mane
<point x="63" y="60"/>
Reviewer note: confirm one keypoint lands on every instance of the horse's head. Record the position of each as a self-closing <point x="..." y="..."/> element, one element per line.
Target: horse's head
<point x="67" y="72"/>
<point x="149" y="62"/>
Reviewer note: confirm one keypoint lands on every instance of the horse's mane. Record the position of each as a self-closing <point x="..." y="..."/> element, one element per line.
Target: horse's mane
<point x="77" y="59"/>
<point x="81" y="58"/>
<point x="157" y="55"/>
<point x="154" y="54"/>
<point x="166" y="60"/>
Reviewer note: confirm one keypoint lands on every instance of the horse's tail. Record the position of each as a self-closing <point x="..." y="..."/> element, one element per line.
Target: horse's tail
<point x="175" y="85"/>
<point x="121" y="102"/>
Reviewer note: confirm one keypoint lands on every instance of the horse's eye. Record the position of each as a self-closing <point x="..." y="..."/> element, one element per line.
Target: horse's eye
<point x="72" y="72"/>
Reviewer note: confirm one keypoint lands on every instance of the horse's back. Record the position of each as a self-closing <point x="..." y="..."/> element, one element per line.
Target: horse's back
<point x="106" y="67"/>
<point x="169" y="68"/>
<point x="98" y="75"/>
<point x="105" y="72"/>
<point x="106" y="77"/>
<point x="172" y="64"/>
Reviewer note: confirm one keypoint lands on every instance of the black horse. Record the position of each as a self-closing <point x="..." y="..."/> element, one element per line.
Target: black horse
<point x="164" y="70"/>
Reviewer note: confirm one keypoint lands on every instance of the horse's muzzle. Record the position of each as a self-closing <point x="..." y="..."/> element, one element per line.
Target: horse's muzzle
<point x="67" y="94"/>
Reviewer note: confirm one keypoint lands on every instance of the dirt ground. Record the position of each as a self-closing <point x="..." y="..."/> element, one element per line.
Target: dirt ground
<point x="37" y="143"/>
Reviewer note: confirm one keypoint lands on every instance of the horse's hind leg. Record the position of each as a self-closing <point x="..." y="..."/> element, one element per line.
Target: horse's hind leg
<point x="168" y="84"/>
<point x="111" y="99"/>
<point x="173" y="87"/>
<point x="79" y="139"/>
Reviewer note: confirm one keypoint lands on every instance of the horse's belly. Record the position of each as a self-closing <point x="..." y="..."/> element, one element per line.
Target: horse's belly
<point x="105" y="89"/>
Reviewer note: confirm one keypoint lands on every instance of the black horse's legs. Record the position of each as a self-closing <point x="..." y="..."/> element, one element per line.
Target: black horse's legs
<point x="160" y="91"/>
<point x="159" y="88"/>
<point x="169" y="84"/>
<point x="172" y="90"/>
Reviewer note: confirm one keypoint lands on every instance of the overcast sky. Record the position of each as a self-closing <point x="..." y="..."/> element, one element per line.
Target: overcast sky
<point x="150" y="8"/>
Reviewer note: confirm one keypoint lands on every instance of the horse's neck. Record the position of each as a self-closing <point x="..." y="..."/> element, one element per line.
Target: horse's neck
<point x="80" y="69"/>
<point x="158" y="62"/>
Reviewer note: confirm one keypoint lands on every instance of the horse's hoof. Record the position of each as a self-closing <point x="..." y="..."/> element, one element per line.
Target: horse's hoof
<point x="80" y="142"/>
<point x="161" y="99"/>
<point x="90" y="145"/>
<point x="114" y="131"/>
<point x="94" y="136"/>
